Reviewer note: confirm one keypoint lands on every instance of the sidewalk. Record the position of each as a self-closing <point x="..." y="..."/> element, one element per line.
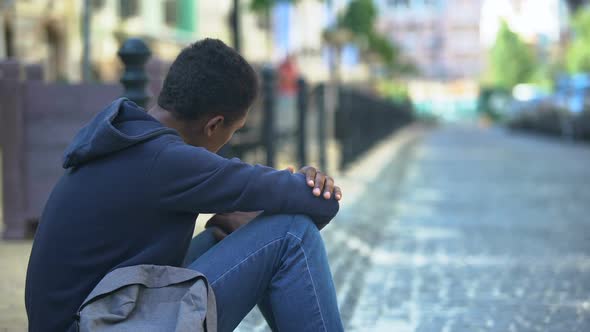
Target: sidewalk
<point x="14" y="257"/>
<point x="485" y="232"/>
<point x="467" y="230"/>
<point x="358" y="183"/>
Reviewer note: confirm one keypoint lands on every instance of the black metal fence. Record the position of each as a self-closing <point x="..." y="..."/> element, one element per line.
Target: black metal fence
<point x="263" y="132"/>
<point x="362" y="120"/>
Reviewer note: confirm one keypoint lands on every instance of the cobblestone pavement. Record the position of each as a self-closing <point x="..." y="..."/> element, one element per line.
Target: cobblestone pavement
<point x="467" y="230"/>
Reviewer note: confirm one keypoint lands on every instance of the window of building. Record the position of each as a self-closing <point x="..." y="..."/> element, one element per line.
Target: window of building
<point x="128" y="8"/>
<point x="170" y="12"/>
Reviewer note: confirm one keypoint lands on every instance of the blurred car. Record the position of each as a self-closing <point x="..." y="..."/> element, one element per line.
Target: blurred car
<point x="565" y="112"/>
<point x="572" y="99"/>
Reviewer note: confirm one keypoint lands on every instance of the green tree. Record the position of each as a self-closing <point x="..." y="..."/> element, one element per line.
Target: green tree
<point x="578" y="53"/>
<point x="384" y="48"/>
<point x="359" y="18"/>
<point x="262" y="6"/>
<point x="511" y="60"/>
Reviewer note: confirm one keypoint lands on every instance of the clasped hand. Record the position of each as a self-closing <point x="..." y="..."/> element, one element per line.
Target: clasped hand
<point x="223" y="224"/>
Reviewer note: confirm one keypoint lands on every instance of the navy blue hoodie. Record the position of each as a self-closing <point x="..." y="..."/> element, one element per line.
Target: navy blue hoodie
<point x="130" y="195"/>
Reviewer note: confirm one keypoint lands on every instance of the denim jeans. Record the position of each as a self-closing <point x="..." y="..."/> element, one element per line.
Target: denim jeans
<point x="276" y="262"/>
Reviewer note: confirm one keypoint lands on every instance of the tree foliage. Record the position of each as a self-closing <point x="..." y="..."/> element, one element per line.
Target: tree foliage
<point x="263" y="6"/>
<point x="359" y="18"/>
<point x="383" y="47"/>
<point x="511" y="60"/>
<point x="578" y="52"/>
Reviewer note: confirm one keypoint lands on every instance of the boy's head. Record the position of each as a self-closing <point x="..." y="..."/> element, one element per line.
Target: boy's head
<point x="209" y="90"/>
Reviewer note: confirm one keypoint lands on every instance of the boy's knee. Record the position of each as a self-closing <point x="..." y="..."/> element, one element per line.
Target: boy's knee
<point x="304" y="228"/>
<point x="297" y="225"/>
<point x="300" y="220"/>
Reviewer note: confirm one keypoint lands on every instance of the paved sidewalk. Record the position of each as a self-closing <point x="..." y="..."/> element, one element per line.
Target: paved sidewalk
<point x="467" y="230"/>
<point x="13" y="266"/>
<point x="486" y="232"/>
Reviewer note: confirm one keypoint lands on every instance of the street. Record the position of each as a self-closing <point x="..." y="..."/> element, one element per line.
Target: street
<point x="467" y="230"/>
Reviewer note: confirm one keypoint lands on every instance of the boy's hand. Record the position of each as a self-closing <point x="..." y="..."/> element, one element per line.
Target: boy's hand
<point x="320" y="182"/>
<point x="224" y="224"/>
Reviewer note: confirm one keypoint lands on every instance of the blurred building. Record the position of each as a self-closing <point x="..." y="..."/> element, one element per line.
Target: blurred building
<point x="50" y="32"/>
<point x="441" y="37"/>
<point x="37" y="31"/>
<point x="449" y="39"/>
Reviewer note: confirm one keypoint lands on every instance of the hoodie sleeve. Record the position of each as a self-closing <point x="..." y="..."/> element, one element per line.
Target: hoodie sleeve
<point x="190" y="179"/>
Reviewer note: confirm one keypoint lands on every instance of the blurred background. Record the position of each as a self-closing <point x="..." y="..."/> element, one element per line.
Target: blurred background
<point x="461" y="126"/>
<point x="448" y="56"/>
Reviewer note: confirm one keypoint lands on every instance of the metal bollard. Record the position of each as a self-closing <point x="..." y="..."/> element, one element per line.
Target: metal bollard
<point x="321" y="107"/>
<point x="268" y="129"/>
<point x="134" y="53"/>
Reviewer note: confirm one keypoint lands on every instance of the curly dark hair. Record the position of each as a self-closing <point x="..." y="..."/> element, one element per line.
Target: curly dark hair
<point x="207" y="77"/>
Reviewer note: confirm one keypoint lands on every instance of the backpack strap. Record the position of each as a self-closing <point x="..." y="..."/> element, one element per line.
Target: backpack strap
<point x="211" y="317"/>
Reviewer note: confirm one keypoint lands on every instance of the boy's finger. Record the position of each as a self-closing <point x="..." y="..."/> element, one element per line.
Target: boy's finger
<point x="337" y="193"/>
<point x="320" y="179"/>
<point x="310" y="175"/>
<point x="328" y="187"/>
<point x="290" y="169"/>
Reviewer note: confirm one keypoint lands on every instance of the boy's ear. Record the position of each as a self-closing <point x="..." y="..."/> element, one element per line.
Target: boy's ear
<point x="213" y="125"/>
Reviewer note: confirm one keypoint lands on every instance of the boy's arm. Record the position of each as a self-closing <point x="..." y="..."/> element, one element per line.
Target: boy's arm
<point x="190" y="179"/>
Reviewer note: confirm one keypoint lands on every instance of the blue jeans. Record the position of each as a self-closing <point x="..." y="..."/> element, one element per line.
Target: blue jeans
<point x="278" y="262"/>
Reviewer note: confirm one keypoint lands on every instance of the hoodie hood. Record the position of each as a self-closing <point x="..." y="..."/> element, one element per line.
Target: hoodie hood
<point x="119" y="126"/>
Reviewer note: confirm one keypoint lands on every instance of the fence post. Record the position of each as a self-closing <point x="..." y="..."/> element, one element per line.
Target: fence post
<point x="268" y="130"/>
<point x="321" y="108"/>
<point x="134" y="53"/>
<point x="302" y="105"/>
<point x="344" y="116"/>
<point x="12" y="134"/>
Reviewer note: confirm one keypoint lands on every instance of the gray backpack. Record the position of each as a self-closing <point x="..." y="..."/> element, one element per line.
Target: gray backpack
<point x="149" y="298"/>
